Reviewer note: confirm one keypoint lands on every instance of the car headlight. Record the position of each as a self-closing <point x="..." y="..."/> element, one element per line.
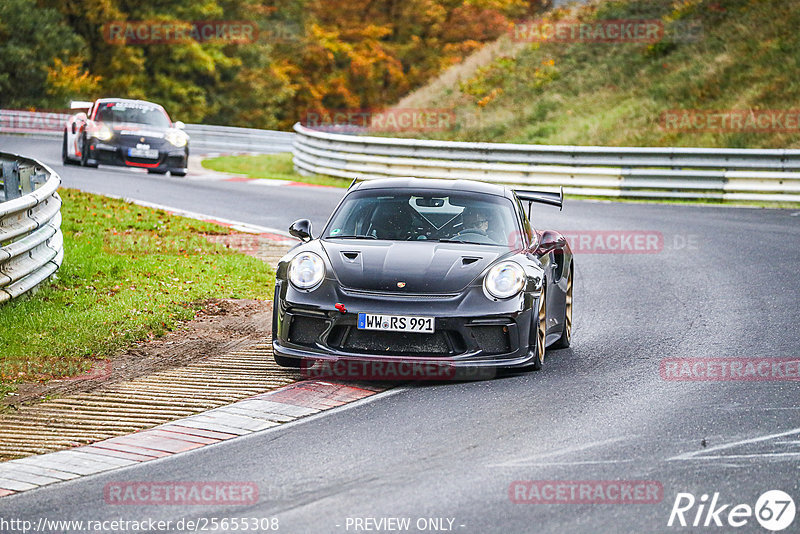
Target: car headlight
<point x="504" y="280"/>
<point x="103" y="133"/>
<point x="306" y="270"/>
<point x="176" y="137"/>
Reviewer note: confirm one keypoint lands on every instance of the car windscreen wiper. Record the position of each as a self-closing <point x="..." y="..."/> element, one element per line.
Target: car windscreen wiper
<point x="451" y="240"/>
<point x="351" y="237"/>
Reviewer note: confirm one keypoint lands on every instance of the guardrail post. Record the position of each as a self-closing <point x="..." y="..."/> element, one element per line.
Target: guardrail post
<point x="11" y="180"/>
<point x="38" y="179"/>
<point x="25" y="183"/>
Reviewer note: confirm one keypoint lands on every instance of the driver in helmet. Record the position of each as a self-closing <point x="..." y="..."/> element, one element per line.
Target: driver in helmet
<point x="476" y="220"/>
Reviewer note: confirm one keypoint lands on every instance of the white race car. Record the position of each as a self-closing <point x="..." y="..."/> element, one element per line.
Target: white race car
<point x="131" y="133"/>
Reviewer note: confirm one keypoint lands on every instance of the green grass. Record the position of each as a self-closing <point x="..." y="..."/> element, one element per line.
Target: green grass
<point x="271" y="166"/>
<point x="129" y="274"/>
<point x="744" y="58"/>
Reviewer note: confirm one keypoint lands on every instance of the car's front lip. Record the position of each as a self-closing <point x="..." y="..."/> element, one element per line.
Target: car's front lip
<point x="456" y="317"/>
<point x="463" y="360"/>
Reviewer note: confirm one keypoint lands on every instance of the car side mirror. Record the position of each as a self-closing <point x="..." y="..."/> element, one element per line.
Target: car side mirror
<point x="179" y="125"/>
<point x="301" y="229"/>
<point x="550" y="241"/>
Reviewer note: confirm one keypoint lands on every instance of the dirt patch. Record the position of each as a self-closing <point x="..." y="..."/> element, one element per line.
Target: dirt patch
<point x="221" y="326"/>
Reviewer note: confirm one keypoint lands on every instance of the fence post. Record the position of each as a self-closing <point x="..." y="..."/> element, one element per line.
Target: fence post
<point x="11" y="180"/>
<point x="25" y="184"/>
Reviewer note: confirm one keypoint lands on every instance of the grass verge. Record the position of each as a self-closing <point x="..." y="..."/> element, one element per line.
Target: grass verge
<point x="129" y="273"/>
<point x="271" y="166"/>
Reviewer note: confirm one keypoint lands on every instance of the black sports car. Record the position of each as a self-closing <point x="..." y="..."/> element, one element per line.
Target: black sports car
<point x="131" y="133"/>
<point x="429" y="272"/>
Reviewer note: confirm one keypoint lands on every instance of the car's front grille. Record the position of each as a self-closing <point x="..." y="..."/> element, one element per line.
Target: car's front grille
<point x="396" y="343"/>
<point x="130" y="141"/>
<point x="492" y="339"/>
<point x="397" y="294"/>
<point x="306" y="330"/>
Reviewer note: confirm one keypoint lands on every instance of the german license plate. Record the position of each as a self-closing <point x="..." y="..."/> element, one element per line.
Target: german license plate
<point x="143" y="153"/>
<point x="395" y="323"/>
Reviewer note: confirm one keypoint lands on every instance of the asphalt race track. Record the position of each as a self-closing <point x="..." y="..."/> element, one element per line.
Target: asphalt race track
<point x="723" y="284"/>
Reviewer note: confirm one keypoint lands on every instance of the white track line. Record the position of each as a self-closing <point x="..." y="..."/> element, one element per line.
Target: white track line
<point x="535" y="459"/>
<point x="702" y="453"/>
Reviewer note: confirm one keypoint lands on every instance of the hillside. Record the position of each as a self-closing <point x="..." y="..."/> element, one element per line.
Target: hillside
<point x="736" y="57"/>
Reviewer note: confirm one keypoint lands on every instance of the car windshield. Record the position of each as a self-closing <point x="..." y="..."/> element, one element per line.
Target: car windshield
<point x="426" y="216"/>
<point x="132" y="112"/>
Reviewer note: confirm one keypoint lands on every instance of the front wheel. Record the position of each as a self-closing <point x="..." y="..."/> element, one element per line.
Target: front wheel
<point x="64" y="157"/>
<point x="566" y="331"/>
<point x="156" y="171"/>
<point x="85" y="153"/>
<point x="541" y="333"/>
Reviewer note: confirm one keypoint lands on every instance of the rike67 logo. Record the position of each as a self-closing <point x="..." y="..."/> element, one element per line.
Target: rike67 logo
<point x="774" y="510"/>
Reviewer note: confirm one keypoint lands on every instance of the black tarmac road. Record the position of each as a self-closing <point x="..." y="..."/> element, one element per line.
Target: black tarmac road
<point x="723" y="283"/>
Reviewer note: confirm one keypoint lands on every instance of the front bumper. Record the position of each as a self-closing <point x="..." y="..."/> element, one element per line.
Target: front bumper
<point x="471" y="331"/>
<point x="170" y="158"/>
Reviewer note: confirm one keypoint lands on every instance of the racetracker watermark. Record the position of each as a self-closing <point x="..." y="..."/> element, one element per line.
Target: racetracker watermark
<point x="729" y="369"/>
<point x="380" y="120"/>
<point x="142" y="32"/>
<point x="620" y="241"/>
<point x="586" y="492"/>
<point x="598" y="31"/>
<point x="731" y="120"/>
<point x="390" y="371"/>
<point x="615" y="241"/>
<point x="101" y="370"/>
<point x="180" y="493"/>
<point x="31" y="122"/>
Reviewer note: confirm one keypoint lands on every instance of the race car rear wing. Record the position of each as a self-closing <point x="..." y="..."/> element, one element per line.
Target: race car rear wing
<point x="542" y="197"/>
<point x="78" y="104"/>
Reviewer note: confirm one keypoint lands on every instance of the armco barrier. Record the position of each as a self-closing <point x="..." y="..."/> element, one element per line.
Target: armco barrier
<point x="31" y="244"/>
<point x="203" y="139"/>
<point x="690" y="173"/>
<point x="226" y="139"/>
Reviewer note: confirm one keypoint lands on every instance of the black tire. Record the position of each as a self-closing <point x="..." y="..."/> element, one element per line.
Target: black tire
<point x="156" y="171"/>
<point x="541" y="332"/>
<point x="64" y="158"/>
<point x="85" y="153"/>
<point x="178" y="173"/>
<point x="285" y="361"/>
<point x="566" y="331"/>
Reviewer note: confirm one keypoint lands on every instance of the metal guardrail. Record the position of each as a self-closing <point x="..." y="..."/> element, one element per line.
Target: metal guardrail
<point x="688" y="173"/>
<point x="207" y="139"/>
<point x="35" y="122"/>
<point x="203" y="139"/>
<point x="31" y="243"/>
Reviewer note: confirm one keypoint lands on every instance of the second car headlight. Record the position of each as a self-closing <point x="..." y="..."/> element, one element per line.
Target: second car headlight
<point x="504" y="280"/>
<point x="103" y="133"/>
<point x="176" y="137"/>
<point x="306" y="270"/>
